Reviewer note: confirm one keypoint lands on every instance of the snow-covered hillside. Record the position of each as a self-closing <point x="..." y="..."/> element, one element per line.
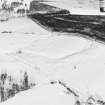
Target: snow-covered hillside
<point x="48" y="56"/>
<point x="94" y="4"/>
<point x="65" y="68"/>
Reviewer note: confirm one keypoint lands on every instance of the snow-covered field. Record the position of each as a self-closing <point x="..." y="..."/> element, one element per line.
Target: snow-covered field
<point x="51" y="56"/>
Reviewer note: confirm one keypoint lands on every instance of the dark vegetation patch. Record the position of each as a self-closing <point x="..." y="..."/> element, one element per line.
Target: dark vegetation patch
<point x="62" y="21"/>
<point x="9" y="87"/>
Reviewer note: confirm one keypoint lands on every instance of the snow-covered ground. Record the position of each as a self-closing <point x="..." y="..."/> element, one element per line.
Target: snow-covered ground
<point x="49" y="56"/>
<point x="82" y="7"/>
<point x="17" y="33"/>
<point x="75" y="3"/>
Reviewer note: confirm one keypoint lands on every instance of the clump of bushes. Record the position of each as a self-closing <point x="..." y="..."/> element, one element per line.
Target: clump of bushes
<point x="9" y="87"/>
